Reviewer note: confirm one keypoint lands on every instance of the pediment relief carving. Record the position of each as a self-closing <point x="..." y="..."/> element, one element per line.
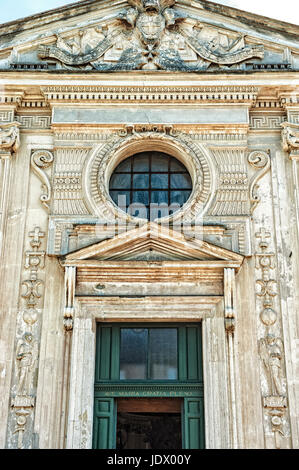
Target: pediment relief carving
<point x="151" y="35"/>
<point x="153" y="238"/>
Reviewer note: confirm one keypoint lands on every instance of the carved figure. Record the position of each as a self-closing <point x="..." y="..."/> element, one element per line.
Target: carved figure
<point x="26" y="356"/>
<point x="9" y="137"/>
<point x="270" y="349"/>
<point x="151" y="35"/>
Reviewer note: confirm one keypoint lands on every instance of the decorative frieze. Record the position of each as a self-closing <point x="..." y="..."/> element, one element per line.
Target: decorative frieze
<point x="34" y="122"/>
<point x="266" y="122"/>
<point x="146" y="94"/>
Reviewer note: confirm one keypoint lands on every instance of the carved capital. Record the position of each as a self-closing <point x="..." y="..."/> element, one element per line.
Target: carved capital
<point x="9" y="138"/>
<point x="290" y="139"/>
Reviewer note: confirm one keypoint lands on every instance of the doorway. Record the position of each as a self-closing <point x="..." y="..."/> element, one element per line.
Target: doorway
<point x="149" y="423"/>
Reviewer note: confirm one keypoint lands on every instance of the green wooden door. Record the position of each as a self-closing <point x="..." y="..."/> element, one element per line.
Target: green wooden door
<point x="193" y="424"/>
<point x="104" y="429"/>
<point x="108" y="384"/>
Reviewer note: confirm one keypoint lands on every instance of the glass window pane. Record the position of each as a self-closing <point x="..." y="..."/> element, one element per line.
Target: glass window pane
<point x="141" y="162"/>
<point x="121" y="198"/>
<point x="159" y="181"/>
<point x="175" y="165"/>
<point x="180" y="181"/>
<point x="141" y="181"/>
<point x="120" y="181"/>
<point x="179" y="197"/>
<point x="159" y="197"/>
<point x="141" y="197"/>
<point x="163" y="353"/>
<point x="159" y="162"/>
<point x="133" y="353"/>
<point x="124" y="166"/>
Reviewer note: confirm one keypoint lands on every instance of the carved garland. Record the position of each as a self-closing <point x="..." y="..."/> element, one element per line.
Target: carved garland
<point x="160" y="137"/>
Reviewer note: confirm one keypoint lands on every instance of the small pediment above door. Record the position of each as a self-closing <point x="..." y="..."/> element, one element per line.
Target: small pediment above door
<point x="152" y="242"/>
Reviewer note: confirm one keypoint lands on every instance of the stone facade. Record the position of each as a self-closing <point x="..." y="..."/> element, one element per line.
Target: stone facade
<point x="84" y="87"/>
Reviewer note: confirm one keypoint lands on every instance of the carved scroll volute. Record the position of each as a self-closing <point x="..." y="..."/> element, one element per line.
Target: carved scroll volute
<point x="259" y="160"/>
<point x="40" y="160"/>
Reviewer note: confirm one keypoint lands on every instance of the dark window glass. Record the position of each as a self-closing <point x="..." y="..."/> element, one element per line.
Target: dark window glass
<point x="148" y="353"/>
<point x="151" y="178"/>
<point x="133" y="353"/>
<point x="163" y="353"/>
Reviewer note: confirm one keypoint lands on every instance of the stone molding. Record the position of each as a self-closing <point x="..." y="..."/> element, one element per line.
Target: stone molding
<point x="150" y="94"/>
<point x="103" y="161"/>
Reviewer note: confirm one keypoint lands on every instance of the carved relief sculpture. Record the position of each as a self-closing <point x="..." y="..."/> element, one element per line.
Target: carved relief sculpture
<point x="290" y="137"/>
<point x="151" y="35"/>
<point x="26" y="358"/>
<point x="9" y="137"/>
<point x="40" y="160"/>
<point x="271" y="346"/>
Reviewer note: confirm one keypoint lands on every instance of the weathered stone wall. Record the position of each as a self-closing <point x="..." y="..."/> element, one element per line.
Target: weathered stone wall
<point x="51" y="205"/>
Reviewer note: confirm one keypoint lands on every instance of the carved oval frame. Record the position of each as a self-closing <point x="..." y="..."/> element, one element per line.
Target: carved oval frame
<point x="104" y="160"/>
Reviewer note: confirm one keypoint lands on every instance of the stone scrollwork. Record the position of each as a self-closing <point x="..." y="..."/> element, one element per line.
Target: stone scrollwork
<point x="261" y="161"/>
<point x="150" y="35"/>
<point x="40" y="161"/>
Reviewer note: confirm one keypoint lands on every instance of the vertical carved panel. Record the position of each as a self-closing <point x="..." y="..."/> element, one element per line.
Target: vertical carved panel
<point x="27" y="345"/>
<point x="271" y="349"/>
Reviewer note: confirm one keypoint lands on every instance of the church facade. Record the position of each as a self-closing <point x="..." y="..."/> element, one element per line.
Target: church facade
<point x="149" y="228"/>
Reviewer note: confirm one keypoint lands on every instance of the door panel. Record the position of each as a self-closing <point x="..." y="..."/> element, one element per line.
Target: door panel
<point x="193" y="423"/>
<point x="104" y="433"/>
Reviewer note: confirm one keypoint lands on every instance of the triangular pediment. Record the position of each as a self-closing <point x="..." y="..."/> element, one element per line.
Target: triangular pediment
<point x="153" y="242"/>
<point x="149" y="35"/>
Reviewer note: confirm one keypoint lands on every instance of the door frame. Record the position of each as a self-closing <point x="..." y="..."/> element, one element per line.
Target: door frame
<point x="216" y="363"/>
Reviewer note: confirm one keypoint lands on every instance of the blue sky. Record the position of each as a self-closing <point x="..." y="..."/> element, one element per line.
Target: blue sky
<point x="286" y="10"/>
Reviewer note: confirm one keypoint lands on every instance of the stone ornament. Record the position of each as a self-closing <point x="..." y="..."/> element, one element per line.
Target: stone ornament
<point x="259" y="160"/>
<point x="99" y="169"/>
<point x="26" y="358"/>
<point x="150" y="35"/>
<point x="9" y="137"/>
<point x="290" y="137"/>
<point x="41" y="160"/>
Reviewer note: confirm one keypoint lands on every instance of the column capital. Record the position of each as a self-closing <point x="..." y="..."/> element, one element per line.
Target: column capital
<point x="9" y="138"/>
<point x="290" y="139"/>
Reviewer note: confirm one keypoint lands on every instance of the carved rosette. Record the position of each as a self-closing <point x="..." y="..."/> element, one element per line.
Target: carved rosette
<point x="27" y="345"/>
<point x="135" y="139"/>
